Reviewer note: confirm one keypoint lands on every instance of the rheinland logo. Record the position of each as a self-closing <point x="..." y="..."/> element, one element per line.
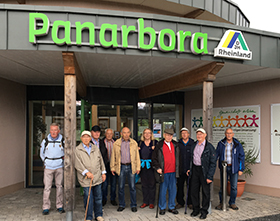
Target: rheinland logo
<point x="233" y="45"/>
<point x="165" y="40"/>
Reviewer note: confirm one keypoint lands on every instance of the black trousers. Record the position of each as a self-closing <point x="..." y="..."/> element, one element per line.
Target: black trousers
<point x="198" y="181"/>
<point x="148" y="182"/>
<point x="183" y="178"/>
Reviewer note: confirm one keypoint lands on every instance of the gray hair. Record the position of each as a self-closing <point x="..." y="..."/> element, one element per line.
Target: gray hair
<point x="55" y="125"/>
<point x="109" y="129"/>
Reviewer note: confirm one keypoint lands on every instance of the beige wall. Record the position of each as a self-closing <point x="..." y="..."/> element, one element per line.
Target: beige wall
<point x="12" y="136"/>
<point x="266" y="177"/>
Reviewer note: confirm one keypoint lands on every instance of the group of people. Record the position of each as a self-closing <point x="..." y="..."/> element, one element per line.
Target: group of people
<point x="172" y="164"/>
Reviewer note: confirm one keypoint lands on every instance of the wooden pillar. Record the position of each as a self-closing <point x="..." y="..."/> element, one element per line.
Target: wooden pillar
<point x="208" y="108"/>
<point x="119" y="118"/>
<point x="94" y="115"/>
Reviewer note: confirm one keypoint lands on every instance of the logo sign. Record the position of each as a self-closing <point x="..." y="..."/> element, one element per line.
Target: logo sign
<point x="233" y="46"/>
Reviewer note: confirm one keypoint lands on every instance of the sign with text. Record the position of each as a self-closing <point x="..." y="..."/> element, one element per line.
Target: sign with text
<point x="244" y="120"/>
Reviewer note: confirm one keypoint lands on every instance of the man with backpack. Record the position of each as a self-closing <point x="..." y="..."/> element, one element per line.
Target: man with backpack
<point x="52" y="154"/>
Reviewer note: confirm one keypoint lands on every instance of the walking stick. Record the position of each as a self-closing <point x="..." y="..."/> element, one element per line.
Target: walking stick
<point x="187" y="195"/>
<point x="88" y="198"/>
<point x="160" y="175"/>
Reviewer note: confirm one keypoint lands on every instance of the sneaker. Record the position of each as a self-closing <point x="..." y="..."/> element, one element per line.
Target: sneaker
<point x="178" y="206"/>
<point x="144" y="205"/>
<point x="60" y="210"/>
<point x="233" y="206"/>
<point x="219" y="207"/>
<point x="46" y="212"/>
<point x="99" y="218"/>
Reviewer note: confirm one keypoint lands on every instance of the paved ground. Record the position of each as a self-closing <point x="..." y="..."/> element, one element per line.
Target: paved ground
<point x="25" y="205"/>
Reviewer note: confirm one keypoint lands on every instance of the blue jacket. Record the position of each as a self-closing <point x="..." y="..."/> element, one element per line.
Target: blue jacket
<point x="185" y="155"/>
<point x="238" y="156"/>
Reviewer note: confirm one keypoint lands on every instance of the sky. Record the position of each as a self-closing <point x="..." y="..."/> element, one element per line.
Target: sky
<point x="262" y="14"/>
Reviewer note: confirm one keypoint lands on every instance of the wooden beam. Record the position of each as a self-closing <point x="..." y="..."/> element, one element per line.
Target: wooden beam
<point x="194" y="14"/>
<point x="21" y="1"/>
<point x="71" y="66"/>
<point x="70" y="142"/>
<point x="188" y="79"/>
<point x="94" y="115"/>
<point x="118" y="118"/>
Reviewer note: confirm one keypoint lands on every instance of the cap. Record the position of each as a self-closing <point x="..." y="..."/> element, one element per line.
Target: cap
<point x="86" y="132"/>
<point x="201" y="130"/>
<point x="95" y="128"/>
<point x="169" y="131"/>
<point x="184" y="129"/>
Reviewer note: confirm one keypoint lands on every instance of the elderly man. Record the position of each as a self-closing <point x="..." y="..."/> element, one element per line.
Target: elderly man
<point x="109" y="142"/>
<point x="90" y="172"/>
<point x="230" y="150"/>
<point x="202" y="169"/>
<point x="185" y="144"/>
<point x="95" y="139"/>
<point x="125" y="161"/>
<point x="165" y="161"/>
<point x="52" y="154"/>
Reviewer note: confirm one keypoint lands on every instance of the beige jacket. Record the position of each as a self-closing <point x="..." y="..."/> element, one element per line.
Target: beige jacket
<point x="93" y="163"/>
<point x="115" y="161"/>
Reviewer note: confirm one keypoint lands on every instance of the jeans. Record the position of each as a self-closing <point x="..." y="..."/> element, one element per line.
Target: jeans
<point x="112" y="180"/>
<point x="233" y="178"/>
<point x="95" y="201"/>
<point x="126" y="171"/>
<point x="169" y="184"/>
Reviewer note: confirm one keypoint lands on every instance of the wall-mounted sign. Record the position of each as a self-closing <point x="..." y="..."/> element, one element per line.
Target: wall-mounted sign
<point x="165" y="40"/>
<point x="233" y="46"/>
<point x="244" y="120"/>
<point x="275" y="134"/>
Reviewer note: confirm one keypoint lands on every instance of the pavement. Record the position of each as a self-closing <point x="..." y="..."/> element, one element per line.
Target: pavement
<point x="26" y="205"/>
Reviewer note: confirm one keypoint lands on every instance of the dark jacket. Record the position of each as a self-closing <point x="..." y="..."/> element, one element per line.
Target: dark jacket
<point x="103" y="150"/>
<point x="208" y="160"/>
<point x="185" y="155"/>
<point x="158" y="159"/>
<point x="238" y="156"/>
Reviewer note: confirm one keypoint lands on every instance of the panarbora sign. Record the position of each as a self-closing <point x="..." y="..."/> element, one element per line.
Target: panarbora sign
<point x="165" y="40"/>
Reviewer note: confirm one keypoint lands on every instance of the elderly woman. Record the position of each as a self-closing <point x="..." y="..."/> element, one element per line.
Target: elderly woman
<point x="90" y="172"/>
<point x="146" y="146"/>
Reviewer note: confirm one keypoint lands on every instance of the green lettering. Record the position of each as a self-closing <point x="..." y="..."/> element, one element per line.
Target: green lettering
<point x="196" y="39"/>
<point x="141" y="34"/>
<point x="172" y="40"/>
<point x="80" y="27"/>
<point x="67" y="29"/>
<point x="102" y="39"/>
<point x="181" y="36"/>
<point x="33" y="32"/>
<point x="125" y="32"/>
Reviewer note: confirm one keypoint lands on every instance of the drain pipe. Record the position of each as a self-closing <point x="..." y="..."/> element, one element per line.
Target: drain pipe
<point x="224" y="165"/>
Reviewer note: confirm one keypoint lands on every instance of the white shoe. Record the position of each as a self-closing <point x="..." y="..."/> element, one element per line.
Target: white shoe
<point x="99" y="218"/>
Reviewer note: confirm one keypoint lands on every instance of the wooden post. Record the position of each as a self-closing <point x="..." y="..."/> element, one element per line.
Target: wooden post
<point x="70" y="143"/>
<point x="119" y="118"/>
<point x="94" y="115"/>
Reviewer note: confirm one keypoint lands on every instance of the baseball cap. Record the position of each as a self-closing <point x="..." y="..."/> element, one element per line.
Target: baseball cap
<point x="95" y="128"/>
<point x="184" y="129"/>
<point x="86" y="132"/>
<point x="201" y="130"/>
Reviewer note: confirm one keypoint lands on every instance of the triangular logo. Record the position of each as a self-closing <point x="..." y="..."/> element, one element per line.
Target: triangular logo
<point x="233" y="46"/>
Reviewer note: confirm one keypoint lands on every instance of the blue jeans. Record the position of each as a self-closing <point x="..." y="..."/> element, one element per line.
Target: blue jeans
<point x="113" y="183"/>
<point x="126" y="171"/>
<point x="95" y="201"/>
<point x="169" y="184"/>
<point x="233" y="178"/>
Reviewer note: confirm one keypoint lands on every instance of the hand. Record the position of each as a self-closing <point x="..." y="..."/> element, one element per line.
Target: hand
<point x="89" y="175"/>
<point x="137" y="172"/>
<point x="139" y="148"/>
<point x="159" y="171"/>
<point x="103" y="177"/>
<point x="188" y="173"/>
<point x="113" y="172"/>
<point x="153" y="147"/>
<point x="240" y="173"/>
<point x="208" y="181"/>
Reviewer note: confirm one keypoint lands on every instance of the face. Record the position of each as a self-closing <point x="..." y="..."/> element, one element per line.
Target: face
<point x="109" y="134"/>
<point x="229" y="134"/>
<point x="185" y="135"/>
<point x="200" y="136"/>
<point x="147" y="134"/>
<point x="95" y="134"/>
<point x="167" y="137"/>
<point x="86" y="139"/>
<point x="54" y="131"/>
<point x="125" y="133"/>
